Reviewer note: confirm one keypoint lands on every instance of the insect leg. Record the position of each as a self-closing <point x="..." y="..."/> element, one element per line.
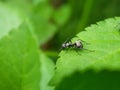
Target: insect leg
<point x="77" y="51"/>
<point x="88" y="50"/>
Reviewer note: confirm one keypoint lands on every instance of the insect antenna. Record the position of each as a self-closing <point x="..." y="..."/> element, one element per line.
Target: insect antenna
<point x="88" y="50"/>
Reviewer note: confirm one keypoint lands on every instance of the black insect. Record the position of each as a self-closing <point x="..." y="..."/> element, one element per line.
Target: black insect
<point x="77" y="45"/>
<point x="67" y="45"/>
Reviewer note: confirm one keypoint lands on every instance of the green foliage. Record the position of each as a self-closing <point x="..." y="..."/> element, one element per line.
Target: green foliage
<point x="104" y="80"/>
<point x="19" y="60"/>
<point x="41" y="20"/>
<point x="47" y="68"/>
<point x="86" y="12"/>
<point x="61" y="15"/>
<point x="8" y="20"/>
<point x="27" y="26"/>
<point x="103" y="49"/>
<point x="22" y="66"/>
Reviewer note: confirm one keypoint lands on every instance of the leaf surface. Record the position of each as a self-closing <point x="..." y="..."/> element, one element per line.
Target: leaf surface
<point x="19" y="53"/>
<point x="47" y="67"/>
<point x="103" y="51"/>
<point x="44" y="27"/>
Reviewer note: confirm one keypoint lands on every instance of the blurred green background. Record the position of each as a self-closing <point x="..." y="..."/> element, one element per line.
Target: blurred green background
<point x="56" y="20"/>
<point x="52" y="23"/>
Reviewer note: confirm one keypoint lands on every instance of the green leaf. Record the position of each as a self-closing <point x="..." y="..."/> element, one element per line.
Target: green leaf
<point x="40" y="15"/>
<point x="44" y="9"/>
<point x="90" y="80"/>
<point x="41" y="18"/>
<point x="43" y="29"/>
<point x="102" y="41"/>
<point x="47" y="67"/>
<point x="8" y="19"/>
<point x="62" y="14"/>
<point x="19" y="53"/>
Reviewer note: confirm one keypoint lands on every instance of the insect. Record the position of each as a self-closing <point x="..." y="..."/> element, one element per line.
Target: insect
<point x="77" y="45"/>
